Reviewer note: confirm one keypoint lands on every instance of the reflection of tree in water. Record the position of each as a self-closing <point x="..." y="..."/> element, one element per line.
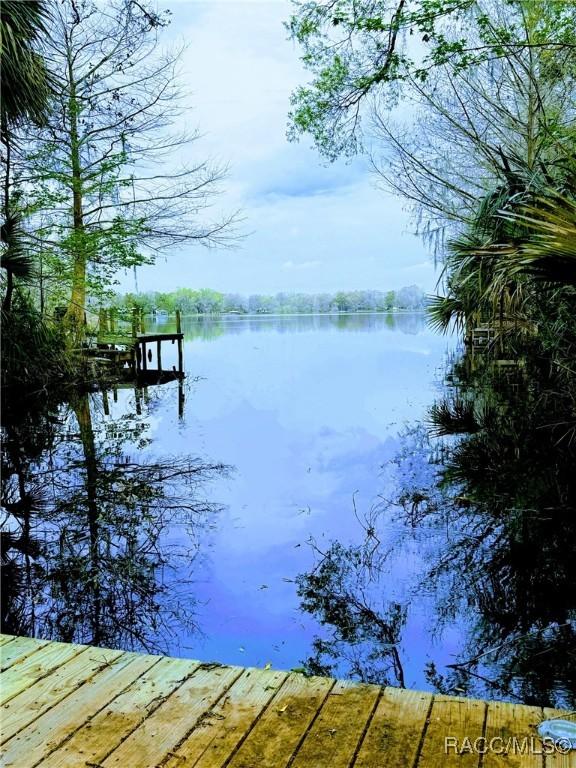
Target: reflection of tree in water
<point x="496" y="527"/>
<point x="211" y="328"/>
<point x="365" y="634"/>
<point x="86" y="554"/>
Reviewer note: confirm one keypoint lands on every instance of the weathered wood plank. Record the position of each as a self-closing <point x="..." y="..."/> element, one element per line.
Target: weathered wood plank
<point x="336" y="733"/>
<point x="18" y="650"/>
<point x="278" y="733"/>
<point x="145" y="338"/>
<point x="557" y="760"/>
<point x="511" y="737"/>
<point x="28" y="671"/>
<point x="452" y="721"/>
<point x="173" y="720"/>
<point x="6" y="639"/>
<point x="100" y="735"/>
<point x="70" y="705"/>
<point x="396" y="729"/>
<point x="215" y="738"/>
<point x="29" y="705"/>
<point x="28" y="747"/>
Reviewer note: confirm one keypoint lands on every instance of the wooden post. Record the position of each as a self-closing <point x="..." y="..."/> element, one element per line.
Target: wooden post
<point x="159" y="354"/>
<point x="142" y="320"/>
<point x="180" y="357"/>
<point x="180" y="397"/>
<point x="106" y="402"/>
<point x="138" y="357"/>
<point x="178" y="322"/>
<point x="134" y="322"/>
<point x="144" y="357"/>
<point x="138" y="398"/>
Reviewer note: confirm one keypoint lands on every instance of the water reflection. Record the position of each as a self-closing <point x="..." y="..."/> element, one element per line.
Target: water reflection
<point x="460" y="576"/>
<point x="485" y="504"/>
<point x="209" y="328"/>
<point x="98" y="537"/>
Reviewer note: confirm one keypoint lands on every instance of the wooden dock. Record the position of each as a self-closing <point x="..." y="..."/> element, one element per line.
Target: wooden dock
<point x="73" y="706"/>
<point x="120" y="348"/>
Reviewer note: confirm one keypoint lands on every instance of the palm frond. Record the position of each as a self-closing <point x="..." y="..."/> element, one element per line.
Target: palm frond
<point x="549" y="253"/>
<point x="453" y="418"/>
<point x="25" y="78"/>
<point x="444" y="312"/>
<point x="16" y="257"/>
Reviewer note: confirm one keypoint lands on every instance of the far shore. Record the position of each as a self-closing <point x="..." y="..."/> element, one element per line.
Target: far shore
<point x="218" y="315"/>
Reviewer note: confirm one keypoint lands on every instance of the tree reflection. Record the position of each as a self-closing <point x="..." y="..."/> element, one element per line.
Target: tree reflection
<point x="98" y="541"/>
<point x="488" y="500"/>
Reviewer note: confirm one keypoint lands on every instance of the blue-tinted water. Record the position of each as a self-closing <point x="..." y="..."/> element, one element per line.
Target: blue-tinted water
<point x="308" y="412"/>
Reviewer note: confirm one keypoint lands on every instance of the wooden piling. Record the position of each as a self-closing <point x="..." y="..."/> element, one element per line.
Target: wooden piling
<point x="180" y="397"/>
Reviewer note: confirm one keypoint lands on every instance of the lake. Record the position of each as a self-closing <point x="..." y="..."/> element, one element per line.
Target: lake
<point x="290" y="514"/>
<point x="306" y="410"/>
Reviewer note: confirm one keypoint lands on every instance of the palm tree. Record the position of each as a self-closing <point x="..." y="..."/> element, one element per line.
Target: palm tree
<point x="25" y="93"/>
<point x="479" y="289"/>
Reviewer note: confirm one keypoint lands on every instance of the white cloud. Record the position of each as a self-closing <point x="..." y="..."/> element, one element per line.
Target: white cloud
<point x="314" y="227"/>
<point x="301" y="265"/>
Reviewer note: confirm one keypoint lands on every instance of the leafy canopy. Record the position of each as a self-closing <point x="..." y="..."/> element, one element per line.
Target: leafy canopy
<point x="356" y="49"/>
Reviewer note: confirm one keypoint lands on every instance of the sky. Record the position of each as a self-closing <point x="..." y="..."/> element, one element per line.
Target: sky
<point x="309" y="226"/>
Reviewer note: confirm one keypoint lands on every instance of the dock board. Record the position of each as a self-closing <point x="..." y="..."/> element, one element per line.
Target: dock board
<point x="73" y="706"/>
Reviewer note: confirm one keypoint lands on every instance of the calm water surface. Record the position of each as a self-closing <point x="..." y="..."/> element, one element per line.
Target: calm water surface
<point x="351" y="494"/>
<point x="308" y="412"/>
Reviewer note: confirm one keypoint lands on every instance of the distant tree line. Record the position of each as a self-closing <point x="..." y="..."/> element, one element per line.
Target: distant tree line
<point x="206" y="301"/>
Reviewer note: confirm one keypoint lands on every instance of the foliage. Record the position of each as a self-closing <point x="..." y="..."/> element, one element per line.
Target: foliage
<point x="547" y="249"/>
<point x="358" y="51"/>
<point x="367" y="636"/>
<point x="485" y="503"/>
<point x="206" y="301"/>
<point x="95" y="198"/>
<point x="84" y="552"/>
<point x="33" y="350"/>
<point x="25" y="79"/>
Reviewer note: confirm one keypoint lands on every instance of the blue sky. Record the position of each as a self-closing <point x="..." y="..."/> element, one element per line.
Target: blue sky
<point x="313" y="227"/>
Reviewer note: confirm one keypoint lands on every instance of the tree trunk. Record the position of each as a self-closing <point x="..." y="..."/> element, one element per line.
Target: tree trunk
<point x="74" y="317"/>
<point x="83" y="415"/>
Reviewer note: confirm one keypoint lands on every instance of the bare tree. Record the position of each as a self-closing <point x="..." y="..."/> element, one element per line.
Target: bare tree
<point x="504" y="124"/>
<point x="106" y="171"/>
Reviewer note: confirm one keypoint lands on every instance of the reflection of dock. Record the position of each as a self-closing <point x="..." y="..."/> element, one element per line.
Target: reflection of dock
<point x="72" y="705"/>
<point x="140" y="384"/>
